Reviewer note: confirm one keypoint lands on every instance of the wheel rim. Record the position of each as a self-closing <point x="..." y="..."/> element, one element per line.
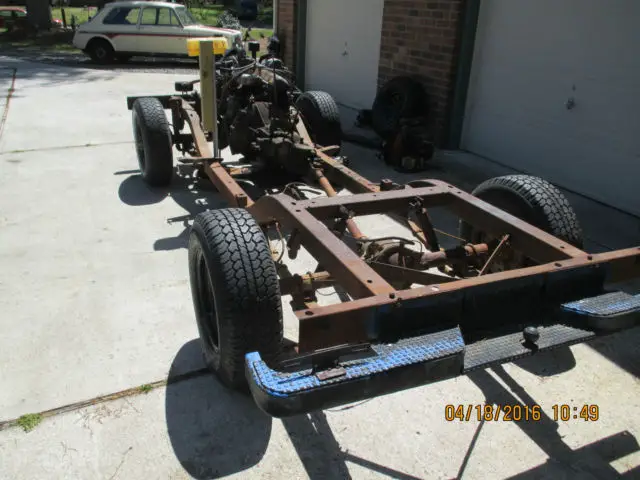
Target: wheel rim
<point x="101" y="53"/>
<point x="137" y="134"/>
<point x="206" y="305"/>
<point x="396" y="99"/>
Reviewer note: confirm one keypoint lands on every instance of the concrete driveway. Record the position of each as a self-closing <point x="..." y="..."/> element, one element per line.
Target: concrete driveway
<point x="94" y="302"/>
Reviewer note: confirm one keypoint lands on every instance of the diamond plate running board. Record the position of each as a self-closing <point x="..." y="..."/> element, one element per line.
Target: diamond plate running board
<point x="411" y="362"/>
<point x="611" y="311"/>
<point x="405" y="364"/>
<point x="511" y="347"/>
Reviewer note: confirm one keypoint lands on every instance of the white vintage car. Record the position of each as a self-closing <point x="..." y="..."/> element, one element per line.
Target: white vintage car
<point x="124" y="29"/>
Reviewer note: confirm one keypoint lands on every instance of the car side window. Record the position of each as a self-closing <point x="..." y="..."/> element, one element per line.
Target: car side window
<point x="167" y="18"/>
<point x="122" y="16"/>
<point x="149" y="16"/>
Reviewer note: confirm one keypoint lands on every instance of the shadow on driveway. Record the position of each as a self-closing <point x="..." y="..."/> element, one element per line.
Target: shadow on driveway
<point x="192" y="195"/>
<point x="591" y="461"/>
<point x="214" y="432"/>
<point x="76" y="62"/>
<point x="621" y="349"/>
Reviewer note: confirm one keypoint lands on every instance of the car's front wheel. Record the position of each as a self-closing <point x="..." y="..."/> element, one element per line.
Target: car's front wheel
<point x="100" y="51"/>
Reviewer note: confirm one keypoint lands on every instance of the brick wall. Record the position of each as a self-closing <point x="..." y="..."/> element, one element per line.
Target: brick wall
<point x="287" y="30"/>
<point x="419" y="38"/>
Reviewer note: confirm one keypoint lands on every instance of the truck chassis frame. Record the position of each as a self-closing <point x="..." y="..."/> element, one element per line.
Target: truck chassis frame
<point x="385" y="339"/>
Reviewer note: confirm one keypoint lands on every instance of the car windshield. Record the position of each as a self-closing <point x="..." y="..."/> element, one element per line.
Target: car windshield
<point x="185" y="16"/>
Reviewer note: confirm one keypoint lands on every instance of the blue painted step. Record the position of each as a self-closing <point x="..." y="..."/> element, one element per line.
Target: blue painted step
<point x="415" y="361"/>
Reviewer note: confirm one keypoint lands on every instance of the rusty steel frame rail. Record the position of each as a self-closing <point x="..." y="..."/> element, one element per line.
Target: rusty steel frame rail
<point x="217" y="173"/>
<point x="350" y="321"/>
<point x="535" y="242"/>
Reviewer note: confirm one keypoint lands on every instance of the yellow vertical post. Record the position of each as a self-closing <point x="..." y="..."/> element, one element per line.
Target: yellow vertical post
<point x="208" y="92"/>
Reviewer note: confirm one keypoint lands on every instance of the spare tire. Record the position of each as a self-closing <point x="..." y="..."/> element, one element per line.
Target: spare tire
<point x="533" y="200"/>
<point x="400" y="97"/>
<point x="321" y="116"/>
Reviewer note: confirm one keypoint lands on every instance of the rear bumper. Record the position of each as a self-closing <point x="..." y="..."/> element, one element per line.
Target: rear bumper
<point x="408" y="363"/>
<point x="428" y="358"/>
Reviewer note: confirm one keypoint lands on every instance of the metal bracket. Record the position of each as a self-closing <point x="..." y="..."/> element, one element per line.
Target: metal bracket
<point x="294" y="244"/>
<point x="197" y="160"/>
<point x="340" y="224"/>
<point x="387" y="185"/>
<point x="326" y="362"/>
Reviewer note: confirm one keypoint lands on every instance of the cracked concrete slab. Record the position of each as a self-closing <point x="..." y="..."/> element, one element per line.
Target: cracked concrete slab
<point x="197" y="429"/>
<point x="55" y="106"/>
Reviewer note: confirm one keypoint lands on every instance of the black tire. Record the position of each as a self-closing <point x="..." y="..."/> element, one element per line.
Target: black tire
<point x="400" y="97"/>
<point x="236" y="292"/>
<point x="321" y="116"/>
<point x="101" y="51"/>
<point x="533" y="200"/>
<point x="153" y="141"/>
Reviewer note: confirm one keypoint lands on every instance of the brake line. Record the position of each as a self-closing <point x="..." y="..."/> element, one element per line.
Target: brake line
<point x="504" y="240"/>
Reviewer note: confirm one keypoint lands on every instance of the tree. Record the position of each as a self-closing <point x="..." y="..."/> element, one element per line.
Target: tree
<point x="39" y="14"/>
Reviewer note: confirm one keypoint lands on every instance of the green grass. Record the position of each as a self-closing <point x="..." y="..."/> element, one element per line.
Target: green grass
<point x="46" y="42"/>
<point x="145" y="388"/>
<point x="29" y="421"/>
<point x="81" y="14"/>
<point x="255" y="33"/>
<point x="209" y="15"/>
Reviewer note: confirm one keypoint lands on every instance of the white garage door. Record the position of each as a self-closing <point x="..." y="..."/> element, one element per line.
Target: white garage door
<point x="555" y="92"/>
<point x="343" y="49"/>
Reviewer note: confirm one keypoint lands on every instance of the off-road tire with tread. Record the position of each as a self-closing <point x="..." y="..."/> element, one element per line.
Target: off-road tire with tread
<point x="236" y="292"/>
<point x="533" y="200"/>
<point x="153" y="141"/>
<point x="321" y="116"/>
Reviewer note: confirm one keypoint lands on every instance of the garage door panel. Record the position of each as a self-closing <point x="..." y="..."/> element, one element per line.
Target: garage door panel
<point x="566" y="162"/>
<point x="530" y="59"/>
<point x="343" y="49"/>
<point x="605" y="116"/>
<point x="592" y="121"/>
